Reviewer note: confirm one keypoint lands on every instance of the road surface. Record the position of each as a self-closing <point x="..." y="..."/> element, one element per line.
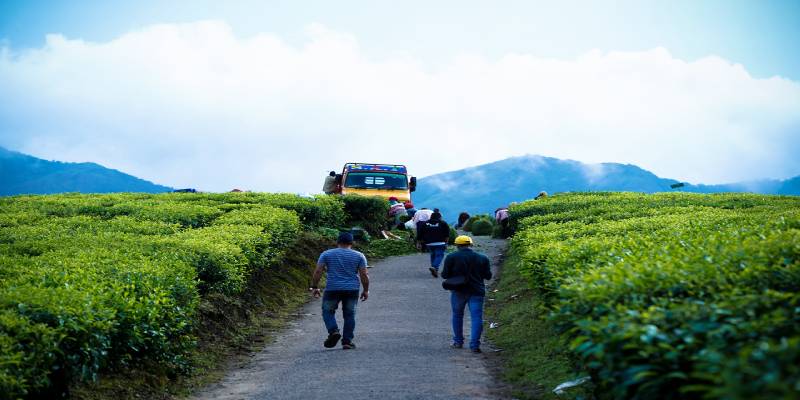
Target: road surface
<point x="402" y="335"/>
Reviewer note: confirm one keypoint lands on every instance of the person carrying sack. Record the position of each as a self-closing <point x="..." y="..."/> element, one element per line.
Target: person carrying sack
<point x="464" y="272"/>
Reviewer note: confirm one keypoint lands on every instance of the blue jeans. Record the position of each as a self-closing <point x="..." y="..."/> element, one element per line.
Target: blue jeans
<point x="458" y="300"/>
<point x="330" y="302"/>
<point x="437" y="254"/>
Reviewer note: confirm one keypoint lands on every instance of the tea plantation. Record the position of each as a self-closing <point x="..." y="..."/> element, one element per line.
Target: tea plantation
<point x="669" y="295"/>
<point x="91" y="282"/>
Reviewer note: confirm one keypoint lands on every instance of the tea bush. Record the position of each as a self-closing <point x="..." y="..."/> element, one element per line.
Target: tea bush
<point x="89" y="282"/>
<point x="383" y="248"/>
<point x="452" y="237"/>
<point x="671" y="295"/>
<point x="369" y="213"/>
<point x="475" y="218"/>
<point x="482" y="227"/>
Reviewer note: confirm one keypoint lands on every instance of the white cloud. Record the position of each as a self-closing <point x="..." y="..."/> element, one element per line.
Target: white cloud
<point x="593" y="172"/>
<point x="195" y="105"/>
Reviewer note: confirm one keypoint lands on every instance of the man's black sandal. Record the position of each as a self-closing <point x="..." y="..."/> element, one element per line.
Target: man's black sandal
<point x="348" y="345"/>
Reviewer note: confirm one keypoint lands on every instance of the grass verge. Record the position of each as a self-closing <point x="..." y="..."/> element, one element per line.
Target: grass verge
<point x="534" y="358"/>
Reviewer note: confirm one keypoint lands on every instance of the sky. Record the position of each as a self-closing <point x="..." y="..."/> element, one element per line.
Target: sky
<point x="269" y="96"/>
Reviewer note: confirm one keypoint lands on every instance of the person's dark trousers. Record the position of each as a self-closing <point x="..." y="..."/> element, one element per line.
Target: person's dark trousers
<point x="458" y="301"/>
<point x="330" y="302"/>
<point x="504" y="231"/>
<point x="437" y="254"/>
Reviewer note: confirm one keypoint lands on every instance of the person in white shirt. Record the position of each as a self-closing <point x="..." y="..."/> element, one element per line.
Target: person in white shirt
<point x="422" y="216"/>
<point x="329" y="187"/>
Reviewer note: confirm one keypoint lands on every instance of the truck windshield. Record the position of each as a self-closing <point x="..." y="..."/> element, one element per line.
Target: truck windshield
<point x="375" y="180"/>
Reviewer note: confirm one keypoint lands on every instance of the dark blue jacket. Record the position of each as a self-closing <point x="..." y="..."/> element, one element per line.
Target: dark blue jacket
<point x="433" y="231"/>
<point x="469" y="263"/>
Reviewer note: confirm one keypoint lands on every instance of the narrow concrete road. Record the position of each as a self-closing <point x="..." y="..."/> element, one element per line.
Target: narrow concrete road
<point x="402" y="333"/>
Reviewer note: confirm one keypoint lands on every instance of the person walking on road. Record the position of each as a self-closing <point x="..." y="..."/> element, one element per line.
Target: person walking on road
<point x="434" y="233"/>
<point x="345" y="268"/>
<point x="474" y="267"/>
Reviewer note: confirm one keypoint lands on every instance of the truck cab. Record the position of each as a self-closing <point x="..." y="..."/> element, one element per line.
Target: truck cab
<point x="383" y="180"/>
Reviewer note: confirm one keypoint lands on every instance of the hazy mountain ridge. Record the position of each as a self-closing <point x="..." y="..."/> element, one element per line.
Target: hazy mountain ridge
<point x="483" y="188"/>
<point x="24" y="174"/>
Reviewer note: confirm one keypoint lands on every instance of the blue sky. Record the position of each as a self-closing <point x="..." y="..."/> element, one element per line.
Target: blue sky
<point x="761" y="35"/>
<point x="217" y="95"/>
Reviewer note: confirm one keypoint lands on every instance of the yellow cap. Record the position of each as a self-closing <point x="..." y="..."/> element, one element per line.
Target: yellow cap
<point x="463" y="239"/>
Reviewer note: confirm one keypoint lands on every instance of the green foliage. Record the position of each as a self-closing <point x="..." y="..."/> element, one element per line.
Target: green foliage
<point x="670" y="295"/>
<point x="378" y="249"/>
<point x="482" y="227"/>
<point x="497" y="232"/>
<point x="360" y="235"/>
<point x="329" y="233"/>
<point x="317" y="211"/>
<point x="26" y="350"/>
<point x="187" y="215"/>
<point x="475" y="218"/>
<point x="453" y="235"/>
<point x="536" y="358"/>
<point x="366" y="212"/>
<point x="90" y="282"/>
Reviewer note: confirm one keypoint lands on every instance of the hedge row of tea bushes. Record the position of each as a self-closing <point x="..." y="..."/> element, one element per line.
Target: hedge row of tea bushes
<point x="89" y="282"/>
<point x="671" y="295"/>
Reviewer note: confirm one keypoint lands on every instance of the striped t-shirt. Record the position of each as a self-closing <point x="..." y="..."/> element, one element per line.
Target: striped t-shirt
<point x="342" y="265"/>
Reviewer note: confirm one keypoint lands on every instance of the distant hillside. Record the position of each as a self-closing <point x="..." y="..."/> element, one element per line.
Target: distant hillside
<point x="483" y="188"/>
<point x="767" y="186"/>
<point x="24" y="174"/>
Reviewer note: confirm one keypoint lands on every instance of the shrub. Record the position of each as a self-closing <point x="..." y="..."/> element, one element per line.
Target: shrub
<point x="366" y="212"/>
<point x="329" y="233"/>
<point x="482" y="227"/>
<point x="27" y="349"/>
<point x="475" y="218"/>
<point x="360" y="235"/>
<point x="91" y="282"/>
<point x="670" y="295"/>
<point x="188" y="215"/>
<point x="387" y="247"/>
<point x="497" y="231"/>
<point x="322" y="210"/>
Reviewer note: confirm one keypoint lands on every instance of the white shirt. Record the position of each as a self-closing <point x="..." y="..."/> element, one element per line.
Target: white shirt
<point x="422" y="216"/>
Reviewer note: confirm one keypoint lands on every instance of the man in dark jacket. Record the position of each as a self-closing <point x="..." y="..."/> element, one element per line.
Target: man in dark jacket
<point x="434" y="233"/>
<point x="475" y="267"/>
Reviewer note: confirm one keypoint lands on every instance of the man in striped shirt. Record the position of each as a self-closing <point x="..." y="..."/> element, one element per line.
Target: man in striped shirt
<point x="345" y="267"/>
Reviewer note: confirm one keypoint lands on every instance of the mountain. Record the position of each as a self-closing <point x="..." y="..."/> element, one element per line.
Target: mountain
<point x="24" y="174"/>
<point x="767" y="186"/>
<point x="483" y="188"/>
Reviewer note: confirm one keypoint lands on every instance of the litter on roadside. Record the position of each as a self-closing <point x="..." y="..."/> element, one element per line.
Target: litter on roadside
<point x="559" y="390"/>
<point x="493" y="325"/>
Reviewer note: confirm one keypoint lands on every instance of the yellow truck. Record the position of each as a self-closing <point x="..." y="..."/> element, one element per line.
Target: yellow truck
<point x="384" y="180"/>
